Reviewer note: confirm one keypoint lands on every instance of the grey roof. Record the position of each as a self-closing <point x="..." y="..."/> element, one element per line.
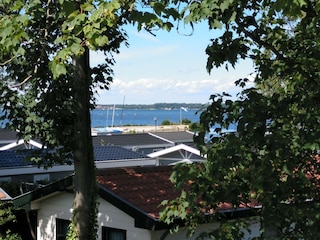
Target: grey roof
<point x="177" y="137"/>
<point x="7" y="135"/>
<point x="11" y="158"/>
<point x="115" y="153"/>
<point x="138" y="139"/>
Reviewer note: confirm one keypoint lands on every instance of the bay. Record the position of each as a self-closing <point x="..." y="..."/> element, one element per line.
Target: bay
<point x="137" y="117"/>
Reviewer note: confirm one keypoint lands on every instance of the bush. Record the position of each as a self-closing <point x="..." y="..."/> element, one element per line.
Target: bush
<point x="195" y="127"/>
<point x="185" y="121"/>
<point x="7" y="217"/>
<point x="166" y="122"/>
<point x="10" y="236"/>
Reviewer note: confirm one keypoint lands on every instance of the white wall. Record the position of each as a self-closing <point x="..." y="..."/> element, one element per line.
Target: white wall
<point x="110" y="216"/>
<point x="182" y="234"/>
<point x="50" y="208"/>
<point x="60" y="206"/>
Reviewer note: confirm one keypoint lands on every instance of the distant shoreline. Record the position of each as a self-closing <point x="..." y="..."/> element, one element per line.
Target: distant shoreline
<point x="156" y="106"/>
<point x="147" y="128"/>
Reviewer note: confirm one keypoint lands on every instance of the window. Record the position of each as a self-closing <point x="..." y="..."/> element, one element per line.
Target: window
<point x="271" y="233"/>
<point x="61" y="228"/>
<point x="41" y="178"/>
<point x="5" y="179"/>
<point x="113" y="234"/>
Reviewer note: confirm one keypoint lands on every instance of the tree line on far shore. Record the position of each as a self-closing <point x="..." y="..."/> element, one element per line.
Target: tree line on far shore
<point x="158" y="106"/>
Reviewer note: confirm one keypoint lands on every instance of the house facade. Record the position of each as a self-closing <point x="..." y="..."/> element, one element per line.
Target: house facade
<point x="54" y="214"/>
<point x="129" y="201"/>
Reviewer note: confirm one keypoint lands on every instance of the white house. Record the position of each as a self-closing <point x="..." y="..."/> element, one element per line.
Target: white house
<point x="180" y="153"/>
<point x="129" y="206"/>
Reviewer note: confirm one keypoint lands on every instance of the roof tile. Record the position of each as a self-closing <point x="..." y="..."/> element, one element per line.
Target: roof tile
<point x="7" y="135"/>
<point x="137" y="139"/>
<point x="144" y="187"/>
<point x="177" y="136"/>
<point x="12" y="158"/>
<point x="104" y="153"/>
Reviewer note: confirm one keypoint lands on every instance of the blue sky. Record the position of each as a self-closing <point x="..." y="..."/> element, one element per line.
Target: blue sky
<point x="170" y="67"/>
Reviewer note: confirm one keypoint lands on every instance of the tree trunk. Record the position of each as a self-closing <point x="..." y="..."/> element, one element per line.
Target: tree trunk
<point x="84" y="166"/>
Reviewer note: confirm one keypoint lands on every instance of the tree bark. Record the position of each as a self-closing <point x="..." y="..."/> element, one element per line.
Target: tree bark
<point x="84" y="166"/>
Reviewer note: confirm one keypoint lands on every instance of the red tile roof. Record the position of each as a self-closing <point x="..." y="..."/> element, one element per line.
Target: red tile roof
<point x="136" y="191"/>
<point x="144" y="187"/>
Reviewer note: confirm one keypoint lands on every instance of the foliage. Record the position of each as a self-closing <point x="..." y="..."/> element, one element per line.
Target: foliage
<point x="194" y="126"/>
<point x="7" y="216"/>
<point x="47" y="85"/>
<point x="272" y="158"/>
<point x="10" y="236"/>
<point x="166" y="122"/>
<point x="38" y="98"/>
<point x="185" y="121"/>
<point x="72" y="233"/>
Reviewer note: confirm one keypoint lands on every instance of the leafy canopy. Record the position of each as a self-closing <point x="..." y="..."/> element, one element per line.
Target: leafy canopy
<point x="47" y="86"/>
<point x="39" y="41"/>
<point x="272" y="158"/>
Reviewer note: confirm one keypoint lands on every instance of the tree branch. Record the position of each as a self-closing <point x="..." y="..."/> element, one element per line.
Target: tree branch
<point x="6" y="62"/>
<point x="27" y="78"/>
<point x="242" y="26"/>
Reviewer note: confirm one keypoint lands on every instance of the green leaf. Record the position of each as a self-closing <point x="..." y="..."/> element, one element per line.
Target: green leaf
<point x="115" y="4"/>
<point x="87" y="7"/>
<point x="57" y="68"/>
<point x="216" y="24"/>
<point x="158" y="7"/>
<point x="102" y="41"/>
<point x="76" y="49"/>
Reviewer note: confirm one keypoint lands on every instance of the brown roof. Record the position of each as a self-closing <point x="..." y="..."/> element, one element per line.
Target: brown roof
<point x="136" y="191"/>
<point x="144" y="187"/>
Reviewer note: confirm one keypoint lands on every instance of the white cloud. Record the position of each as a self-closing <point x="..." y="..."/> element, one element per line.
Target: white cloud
<point x="167" y="68"/>
<point x="150" y="91"/>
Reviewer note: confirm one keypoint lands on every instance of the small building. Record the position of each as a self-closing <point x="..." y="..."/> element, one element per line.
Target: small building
<point x="129" y="206"/>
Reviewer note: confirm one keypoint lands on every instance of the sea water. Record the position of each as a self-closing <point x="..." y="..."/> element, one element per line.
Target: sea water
<point x="123" y="117"/>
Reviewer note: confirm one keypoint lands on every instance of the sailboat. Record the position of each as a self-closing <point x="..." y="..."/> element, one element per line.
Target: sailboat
<point x="108" y="130"/>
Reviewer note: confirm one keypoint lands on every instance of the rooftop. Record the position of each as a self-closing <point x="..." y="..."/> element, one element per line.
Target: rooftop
<point x="144" y="187"/>
<point x="138" y="139"/>
<point x="7" y="136"/>
<point x="176" y="136"/>
<point x="103" y="153"/>
<point x="12" y="158"/>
